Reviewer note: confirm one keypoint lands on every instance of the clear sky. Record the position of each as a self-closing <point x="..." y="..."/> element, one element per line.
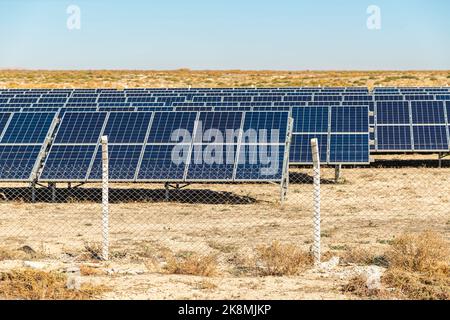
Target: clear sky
<point x="225" y="34"/>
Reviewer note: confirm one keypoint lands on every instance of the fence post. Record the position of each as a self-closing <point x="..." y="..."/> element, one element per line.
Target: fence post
<point x="316" y="219"/>
<point x="105" y="199"/>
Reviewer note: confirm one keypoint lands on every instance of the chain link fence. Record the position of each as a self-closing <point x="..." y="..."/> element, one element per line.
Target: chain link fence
<point x="366" y="207"/>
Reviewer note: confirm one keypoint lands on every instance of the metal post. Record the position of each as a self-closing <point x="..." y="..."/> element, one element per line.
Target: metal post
<point x="316" y="219"/>
<point x="105" y="199"/>
<point x="167" y="194"/>
<point x="337" y="173"/>
<point x="440" y="160"/>
<point x="53" y="188"/>
<point x="33" y="192"/>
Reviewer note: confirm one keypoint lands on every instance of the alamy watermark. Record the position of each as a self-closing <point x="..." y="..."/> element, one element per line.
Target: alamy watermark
<point x="74" y="19"/>
<point x="374" y="19"/>
<point x="214" y="147"/>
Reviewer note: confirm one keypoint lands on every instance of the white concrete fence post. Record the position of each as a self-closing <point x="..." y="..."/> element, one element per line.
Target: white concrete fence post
<point x="105" y="199"/>
<point x="316" y="218"/>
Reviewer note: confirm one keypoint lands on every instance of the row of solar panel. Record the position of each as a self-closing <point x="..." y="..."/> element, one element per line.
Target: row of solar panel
<point x="400" y="114"/>
<point x="142" y="146"/>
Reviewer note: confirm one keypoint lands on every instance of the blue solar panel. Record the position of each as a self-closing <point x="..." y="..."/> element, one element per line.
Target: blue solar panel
<point x="216" y="125"/>
<point x="17" y="162"/>
<point x="430" y="138"/>
<point x="310" y="119"/>
<point x="164" y="162"/>
<point x="350" y="119"/>
<point x="392" y="112"/>
<point x="68" y="163"/>
<point x="394" y="138"/>
<point x="4" y="117"/>
<point x="349" y="148"/>
<point x="269" y="127"/>
<point x="428" y="112"/>
<point x="301" y="147"/>
<point x="260" y="162"/>
<point x="80" y="127"/>
<point x="212" y="162"/>
<point x="127" y="127"/>
<point x="28" y="128"/>
<point x="167" y="123"/>
<point x="123" y="162"/>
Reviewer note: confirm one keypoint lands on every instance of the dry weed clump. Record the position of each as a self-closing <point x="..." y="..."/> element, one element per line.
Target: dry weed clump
<point x="40" y="285"/>
<point x="358" y="286"/>
<point x="426" y="253"/>
<point x="281" y="260"/>
<point x="192" y="264"/>
<point x="418" y="267"/>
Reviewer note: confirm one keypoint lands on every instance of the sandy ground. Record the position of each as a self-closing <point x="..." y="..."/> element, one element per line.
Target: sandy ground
<point x="365" y="210"/>
<point x="225" y="78"/>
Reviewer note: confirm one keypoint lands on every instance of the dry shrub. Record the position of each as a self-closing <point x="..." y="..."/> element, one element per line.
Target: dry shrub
<point x="362" y="257"/>
<point x="417" y="286"/>
<point x="7" y="254"/>
<point x="419" y="267"/>
<point x="358" y="286"/>
<point x="193" y="264"/>
<point x="427" y="253"/>
<point x="282" y="260"/>
<point x="40" y="285"/>
<point x="86" y="270"/>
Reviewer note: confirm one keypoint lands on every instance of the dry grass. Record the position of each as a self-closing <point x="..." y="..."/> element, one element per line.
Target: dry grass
<point x="281" y="260"/>
<point x="418" y="268"/>
<point x="40" y="285"/>
<point x="192" y="264"/>
<point x="86" y="270"/>
<point x="358" y="286"/>
<point x="426" y="253"/>
<point x="360" y="256"/>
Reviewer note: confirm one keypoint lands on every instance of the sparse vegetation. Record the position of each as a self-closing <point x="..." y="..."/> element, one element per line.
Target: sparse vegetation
<point x="40" y="285"/>
<point x="281" y="260"/>
<point x="208" y="78"/>
<point x="418" y="267"/>
<point x="192" y="264"/>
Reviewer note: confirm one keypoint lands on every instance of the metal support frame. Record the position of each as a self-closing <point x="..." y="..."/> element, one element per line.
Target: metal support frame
<point x="176" y="186"/>
<point x="441" y="156"/>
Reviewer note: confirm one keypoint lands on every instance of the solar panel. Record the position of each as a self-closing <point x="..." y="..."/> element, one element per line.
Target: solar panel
<point x="392" y="112"/>
<point x="79" y="127"/>
<point x="349" y="148"/>
<point x="164" y="162"/>
<point x="167" y="123"/>
<point x="127" y="127"/>
<point x="28" y="128"/>
<point x="428" y="112"/>
<point x="260" y="162"/>
<point x="394" y="138"/>
<point x="68" y="163"/>
<point x="430" y="138"/>
<point x="342" y="132"/>
<point x="123" y="162"/>
<point x="18" y="162"/>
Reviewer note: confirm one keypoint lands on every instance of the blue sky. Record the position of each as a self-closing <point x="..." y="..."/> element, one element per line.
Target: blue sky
<point x="225" y="34"/>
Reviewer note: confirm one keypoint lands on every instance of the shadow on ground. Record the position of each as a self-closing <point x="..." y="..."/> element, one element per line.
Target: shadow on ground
<point x="75" y="195"/>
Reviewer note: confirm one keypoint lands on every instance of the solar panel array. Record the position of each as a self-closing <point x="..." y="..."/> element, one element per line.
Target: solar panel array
<point x="153" y="147"/>
<point x="344" y="120"/>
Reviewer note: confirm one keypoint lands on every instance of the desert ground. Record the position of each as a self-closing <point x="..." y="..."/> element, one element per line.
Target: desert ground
<point x="222" y="241"/>
<point x="230" y="78"/>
